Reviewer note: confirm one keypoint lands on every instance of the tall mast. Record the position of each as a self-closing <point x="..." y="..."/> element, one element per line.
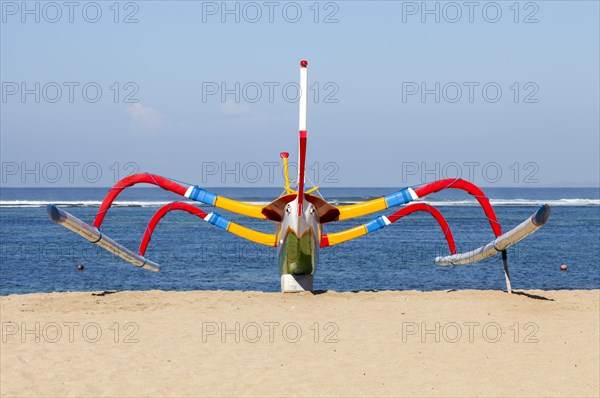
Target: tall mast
<point x="302" y="131"/>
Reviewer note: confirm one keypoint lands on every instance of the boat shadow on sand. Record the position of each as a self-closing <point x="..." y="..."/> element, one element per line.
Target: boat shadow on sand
<point x="518" y="293"/>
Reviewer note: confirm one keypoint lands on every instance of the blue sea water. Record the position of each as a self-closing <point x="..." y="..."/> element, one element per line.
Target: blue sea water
<point x="39" y="256"/>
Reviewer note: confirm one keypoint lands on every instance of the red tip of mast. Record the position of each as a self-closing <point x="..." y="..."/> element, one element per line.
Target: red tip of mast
<point x="284" y="155"/>
<point x="304" y="63"/>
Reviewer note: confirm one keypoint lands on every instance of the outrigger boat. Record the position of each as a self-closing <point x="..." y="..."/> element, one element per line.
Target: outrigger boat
<point x="299" y="216"/>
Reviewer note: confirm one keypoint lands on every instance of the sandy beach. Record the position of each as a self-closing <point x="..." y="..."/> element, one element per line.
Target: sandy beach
<point x="216" y="343"/>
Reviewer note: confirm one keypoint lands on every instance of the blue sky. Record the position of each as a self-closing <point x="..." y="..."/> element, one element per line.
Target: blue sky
<point x="369" y="62"/>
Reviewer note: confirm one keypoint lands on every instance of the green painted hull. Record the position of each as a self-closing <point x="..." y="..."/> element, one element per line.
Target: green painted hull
<point x="298" y="256"/>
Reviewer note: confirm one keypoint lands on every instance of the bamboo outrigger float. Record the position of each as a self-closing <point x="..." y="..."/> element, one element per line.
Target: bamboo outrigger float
<point x="299" y="217"/>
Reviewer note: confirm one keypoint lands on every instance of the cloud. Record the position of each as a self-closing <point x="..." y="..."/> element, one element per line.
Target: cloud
<point x="232" y="108"/>
<point x="145" y="119"/>
<point x="243" y="113"/>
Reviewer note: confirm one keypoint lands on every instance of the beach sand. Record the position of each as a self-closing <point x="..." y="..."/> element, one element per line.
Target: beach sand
<point x="216" y="343"/>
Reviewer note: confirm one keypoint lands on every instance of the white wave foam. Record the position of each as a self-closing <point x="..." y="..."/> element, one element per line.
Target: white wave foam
<point x="142" y="203"/>
<point x="497" y="202"/>
<point x="519" y="202"/>
<point x="94" y="203"/>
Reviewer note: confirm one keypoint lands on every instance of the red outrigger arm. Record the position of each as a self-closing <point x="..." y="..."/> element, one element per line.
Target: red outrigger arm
<point x="192" y="192"/>
<point x="407" y="195"/>
<point x="161" y="213"/>
<point x="383" y="221"/>
<point x="469" y="188"/>
<point x="132" y="180"/>
<point x="212" y="218"/>
<point x="435" y="213"/>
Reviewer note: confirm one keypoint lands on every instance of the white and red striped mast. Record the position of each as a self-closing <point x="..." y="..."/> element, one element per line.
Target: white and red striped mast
<point x="302" y="131"/>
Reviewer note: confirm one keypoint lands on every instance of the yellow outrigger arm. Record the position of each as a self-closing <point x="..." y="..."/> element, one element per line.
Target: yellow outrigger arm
<point x="251" y="235"/>
<point x="219" y="221"/>
<point x="361" y="209"/>
<point x="347" y="212"/>
<point x="213" y="218"/>
<point x="335" y="238"/>
<point x="198" y="194"/>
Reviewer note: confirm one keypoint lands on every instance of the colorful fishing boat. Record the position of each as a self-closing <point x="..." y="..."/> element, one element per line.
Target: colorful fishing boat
<point x="299" y="215"/>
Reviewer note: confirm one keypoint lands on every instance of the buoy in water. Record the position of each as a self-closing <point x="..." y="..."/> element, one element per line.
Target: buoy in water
<point x="80" y="267"/>
<point x="563" y="267"/>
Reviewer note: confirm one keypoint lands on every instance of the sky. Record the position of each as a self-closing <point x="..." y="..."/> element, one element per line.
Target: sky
<point x="400" y="92"/>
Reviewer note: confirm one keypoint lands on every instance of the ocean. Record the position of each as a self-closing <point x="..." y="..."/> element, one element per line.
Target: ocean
<point x="39" y="256"/>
